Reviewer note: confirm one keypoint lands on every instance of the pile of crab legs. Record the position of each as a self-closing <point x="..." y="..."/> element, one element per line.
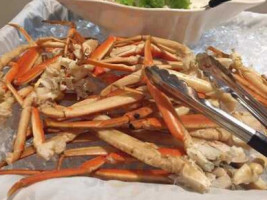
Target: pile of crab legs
<point x="137" y="121"/>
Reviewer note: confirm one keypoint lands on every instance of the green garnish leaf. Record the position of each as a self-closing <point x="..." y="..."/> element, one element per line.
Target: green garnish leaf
<point x="156" y="3"/>
<point x="142" y="3"/>
<point x="126" y="2"/>
<point x="178" y="3"/>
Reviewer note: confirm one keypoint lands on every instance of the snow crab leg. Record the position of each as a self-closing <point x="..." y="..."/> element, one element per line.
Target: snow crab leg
<point x="125" y="98"/>
<point x="179" y="49"/>
<point x="130" y="121"/>
<point x="173" y="122"/>
<point x="247" y="77"/>
<point x="29" y="57"/>
<point x="86" y="168"/>
<point x="12" y="72"/>
<point x="28" y="151"/>
<point x="23" y="31"/>
<point x="148" y="154"/>
<point x="22" y="130"/>
<point x="8" y="101"/>
<point x="100" y="52"/>
<point x="162" y="101"/>
<point x="15" y="93"/>
<point x="7" y="57"/>
<point x="191" y="121"/>
<point x="35" y="72"/>
<point x="37" y="128"/>
<point x="58" y="140"/>
<point x="113" y="155"/>
<point x="153" y="176"/>
<point x="115" y="122"/>
<point x="72" y="34"/>
<point x="27" y="60"/>
<point x="120" y="67"/>
<point x="19" y="172"/>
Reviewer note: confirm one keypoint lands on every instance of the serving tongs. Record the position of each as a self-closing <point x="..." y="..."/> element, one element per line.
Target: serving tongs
<point x="214" y="3"/>
<point x="223" y="80"/>
<point x="178" y="89"/>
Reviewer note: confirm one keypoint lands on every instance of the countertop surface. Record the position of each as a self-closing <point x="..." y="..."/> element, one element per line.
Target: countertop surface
<point x="9" y="9"/>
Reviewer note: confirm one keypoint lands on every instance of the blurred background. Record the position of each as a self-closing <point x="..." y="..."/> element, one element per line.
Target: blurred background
<point x="10" y="8"/>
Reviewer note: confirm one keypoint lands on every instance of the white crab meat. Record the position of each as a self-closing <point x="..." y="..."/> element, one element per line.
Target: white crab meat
<point x="222" y="179"/>
<point x="74" y="70"/>
<point x="248" y="119"/>
<point x="77" y="51"/>
<point x="209" y="154"/>
<point x="89" y="46"/>
<point x="55" y="145"/>
<point x="248" y="173"/>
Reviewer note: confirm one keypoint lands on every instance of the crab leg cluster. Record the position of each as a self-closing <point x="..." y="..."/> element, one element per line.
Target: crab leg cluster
<point x="74" y="90"/>
<point x="252" y="81"/>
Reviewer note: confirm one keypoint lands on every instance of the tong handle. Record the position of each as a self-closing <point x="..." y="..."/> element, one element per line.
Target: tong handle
<point x="226" y="120"/>
<point x="258" y="142"/>
<point x="255" y="139"/>
<point x="214" y="3"/>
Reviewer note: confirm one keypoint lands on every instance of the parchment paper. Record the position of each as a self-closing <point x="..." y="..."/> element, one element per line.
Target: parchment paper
<point x="247" y="33"/>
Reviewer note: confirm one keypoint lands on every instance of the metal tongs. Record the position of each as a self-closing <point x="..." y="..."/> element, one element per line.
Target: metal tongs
<point x="178" y="89"/>
<point x="214" y="3"/>
<point x="223" y="80"/>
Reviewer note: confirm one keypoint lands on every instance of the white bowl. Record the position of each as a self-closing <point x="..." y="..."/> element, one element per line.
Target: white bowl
<point x="182" y="25"/>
